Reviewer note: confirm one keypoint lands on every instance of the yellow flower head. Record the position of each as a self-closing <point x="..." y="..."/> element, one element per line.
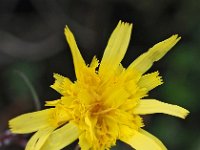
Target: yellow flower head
<point x="104" y="104"/>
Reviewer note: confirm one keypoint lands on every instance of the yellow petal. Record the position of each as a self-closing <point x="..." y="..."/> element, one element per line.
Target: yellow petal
<point x="115" y="50"/>
<point x="38" y="139"/>
<point x="115" y="96"/>
<point x="153" y="138"/>
<point x="119" y="70"/>
<point x="84" y="143"/>
<point x="125" y="131"/>
<point x="61" y="137"/>
<point x="30" y="122"/>
<point x="91" y="122"/>
<point x="151" y="106"/>
<point x="62" y="84"/>
<point x="94" y="63"/>
<point x="52" y="103"/>
<point x="150" y="81"/>
<point x="145" y="61"/>
<point x="77" y="58"/>
<point x="141" y="141"/>
<point x="125" y="118"/>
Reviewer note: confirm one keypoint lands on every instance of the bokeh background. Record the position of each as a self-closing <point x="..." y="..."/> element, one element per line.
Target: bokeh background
<point x="33" y="47"/>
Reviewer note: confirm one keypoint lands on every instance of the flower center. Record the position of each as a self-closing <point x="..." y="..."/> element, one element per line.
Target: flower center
<point x="98" y="108"/>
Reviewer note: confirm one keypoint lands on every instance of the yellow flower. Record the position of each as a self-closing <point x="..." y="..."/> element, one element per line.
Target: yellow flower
<point x="104" y="104"/>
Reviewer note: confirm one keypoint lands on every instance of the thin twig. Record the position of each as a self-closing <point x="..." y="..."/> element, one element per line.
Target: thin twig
<point x="32" y="90"/>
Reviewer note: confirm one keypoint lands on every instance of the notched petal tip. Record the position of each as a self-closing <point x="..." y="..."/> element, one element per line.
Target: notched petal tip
<point x="150" y="80"/>
<point x="185" y="114"/>
<point x="69" y="36"/>
<point x="174" y="38"/>
<point x="66" y="29"/>
<point x="11" y="126"/>
<point x="94" y="63"/>
<point x="177" y="36"/>
<point x="67" y="32"/>
<point x="124" y="23"/>
<point x="55" y="75"/>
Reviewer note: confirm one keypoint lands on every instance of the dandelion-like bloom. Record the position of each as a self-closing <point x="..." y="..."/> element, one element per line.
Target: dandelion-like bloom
<point x="104" y="104"/>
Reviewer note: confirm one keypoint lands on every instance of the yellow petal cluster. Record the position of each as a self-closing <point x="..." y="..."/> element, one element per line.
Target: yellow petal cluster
<point x="104" y="104"/>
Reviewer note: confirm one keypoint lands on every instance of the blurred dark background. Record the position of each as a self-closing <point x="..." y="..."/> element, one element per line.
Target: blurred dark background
<point x="33" y="47"/>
